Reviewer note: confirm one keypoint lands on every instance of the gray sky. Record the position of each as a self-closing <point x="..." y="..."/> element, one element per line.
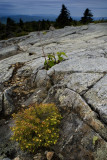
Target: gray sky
<point x="76" y="7"/>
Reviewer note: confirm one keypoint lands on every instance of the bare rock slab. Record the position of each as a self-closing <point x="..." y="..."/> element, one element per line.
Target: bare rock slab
<point x="71" y="101"/>
<point x="79" y="126"/>
<point x="97" y="97"/>
<point x="82" y="65"/>
<point x="79" y="82"/>
<point x="8" y="51"/>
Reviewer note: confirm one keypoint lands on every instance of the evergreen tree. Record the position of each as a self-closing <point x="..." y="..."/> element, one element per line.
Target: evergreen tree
<point x="10" y="27"/>
<point x="87" y="18"/>
<point x="21" y="23"/>
<point x="2" y="31"/>
<point x="10" y="22"/>
<point x="64" y="18"/>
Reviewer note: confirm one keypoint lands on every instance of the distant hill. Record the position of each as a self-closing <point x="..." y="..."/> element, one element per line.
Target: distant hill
<point x="27" y="18"/>
<point x="95" y="18"/>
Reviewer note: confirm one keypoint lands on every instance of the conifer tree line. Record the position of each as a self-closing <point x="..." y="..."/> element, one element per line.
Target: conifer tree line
<point x="12" y="29"/>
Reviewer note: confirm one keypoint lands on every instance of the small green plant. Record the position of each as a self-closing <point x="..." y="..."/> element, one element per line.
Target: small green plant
<point x="44" y="32"/>
<point x="95" y="138"/>
<point x="36" y="127"/>
<point x="52" y="60"/>
<point x="60" y="56"/>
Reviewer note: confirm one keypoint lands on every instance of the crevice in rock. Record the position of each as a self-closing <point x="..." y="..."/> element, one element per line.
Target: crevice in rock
<point x="46" y="43"/>
<point x="105" y="55"/>
<point x="39" y="56"/>
<point x="94" y="110"/>
<point x="91" y="86"/>
<point x="51" y="80"/>
<point x="84" y="29"/>
<point x="95" y="83"/>
<point x="68" y="34"/>
<point x="100" y="36"/>
<point x="2" y="112"/>
<point x="94" y="130"/>
<point x="2" y="116"/>
<point x="33" y="76"/>
<point x="13" y="78"/>
<point x="97" y="115"/>
<point x="88" y="87"/>
<point x="10" y="54"/>
<point x="76" y="132"/>
<point x="72" y="71"/>
<point x="1" y="87"/>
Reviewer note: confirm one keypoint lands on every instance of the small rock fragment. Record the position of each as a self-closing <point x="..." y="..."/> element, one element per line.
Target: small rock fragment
<point x="49" y="155"/>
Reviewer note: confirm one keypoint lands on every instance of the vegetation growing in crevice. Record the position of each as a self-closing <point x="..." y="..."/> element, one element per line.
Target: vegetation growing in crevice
<point x="95" y="138"/>
<point x="51" y="60"/>
<point x="36" y="127"/>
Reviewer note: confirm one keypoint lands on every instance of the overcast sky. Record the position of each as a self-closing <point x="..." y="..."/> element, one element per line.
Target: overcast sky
<point x="30" y="7"/>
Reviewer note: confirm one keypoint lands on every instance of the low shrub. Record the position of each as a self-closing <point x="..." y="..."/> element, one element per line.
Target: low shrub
<point x="36" y="127"/>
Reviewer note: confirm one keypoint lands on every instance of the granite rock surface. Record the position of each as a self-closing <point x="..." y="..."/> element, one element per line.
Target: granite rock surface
<point x="77" y="85"/>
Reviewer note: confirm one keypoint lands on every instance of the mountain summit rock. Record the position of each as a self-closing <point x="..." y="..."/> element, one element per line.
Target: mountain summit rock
<point x="77" y="85"/>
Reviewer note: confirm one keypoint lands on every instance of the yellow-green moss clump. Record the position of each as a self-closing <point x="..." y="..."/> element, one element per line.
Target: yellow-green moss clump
<point x="36" y="126"/>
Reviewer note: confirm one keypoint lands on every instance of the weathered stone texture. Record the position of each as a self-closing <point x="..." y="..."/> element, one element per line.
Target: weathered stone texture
<point x="97" y="97"/>
<point x="78" y="86"/>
